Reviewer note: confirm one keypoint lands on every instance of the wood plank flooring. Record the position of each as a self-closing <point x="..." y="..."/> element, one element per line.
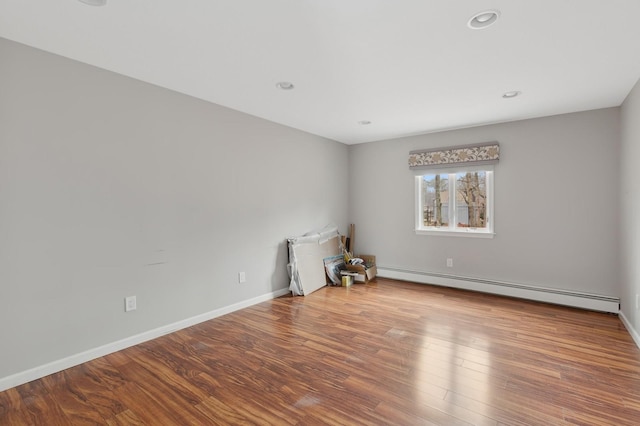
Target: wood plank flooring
<point x="388" y="352"/>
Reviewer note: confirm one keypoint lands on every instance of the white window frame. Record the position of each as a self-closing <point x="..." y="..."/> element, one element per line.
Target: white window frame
<point x="451" y="230"/>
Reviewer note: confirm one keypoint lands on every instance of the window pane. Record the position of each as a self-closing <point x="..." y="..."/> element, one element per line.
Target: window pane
<point x="471" y="200"/>
<point x="435" y="200"/>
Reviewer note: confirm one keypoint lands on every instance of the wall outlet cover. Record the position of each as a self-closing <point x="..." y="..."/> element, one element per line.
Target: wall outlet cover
<point x="130" y="303"/>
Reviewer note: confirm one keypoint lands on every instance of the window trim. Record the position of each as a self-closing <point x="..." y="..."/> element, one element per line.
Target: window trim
<point x="451" y="231"/>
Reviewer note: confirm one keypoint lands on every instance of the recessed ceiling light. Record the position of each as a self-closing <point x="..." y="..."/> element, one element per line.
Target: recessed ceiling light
<point x="94" y="2"/>
<point x="512" y="94"/>
<point x="364" y="122"/>
<point x="483" y="19"/>
<point x="285" y="85"/>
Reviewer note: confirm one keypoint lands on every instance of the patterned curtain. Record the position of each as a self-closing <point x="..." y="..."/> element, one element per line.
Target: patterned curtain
<point x="472" y="155"/>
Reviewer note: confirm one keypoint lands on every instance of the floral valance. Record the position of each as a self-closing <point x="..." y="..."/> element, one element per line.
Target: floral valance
<point x="483" y="153"/>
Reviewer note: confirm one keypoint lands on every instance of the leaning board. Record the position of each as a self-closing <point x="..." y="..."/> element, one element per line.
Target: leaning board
<point x="307" y="264"/>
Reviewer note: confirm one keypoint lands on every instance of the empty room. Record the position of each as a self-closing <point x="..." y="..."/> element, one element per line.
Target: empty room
<point x="172" y="174"/>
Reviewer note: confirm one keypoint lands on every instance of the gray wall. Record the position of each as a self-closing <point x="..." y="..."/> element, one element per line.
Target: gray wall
<point x="630" y="211"/>
<point x="111" y="187"/>
<point x="556" y="204"/>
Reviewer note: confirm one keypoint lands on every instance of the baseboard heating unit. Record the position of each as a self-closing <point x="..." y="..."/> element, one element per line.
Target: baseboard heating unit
<point x="540" y="294"/>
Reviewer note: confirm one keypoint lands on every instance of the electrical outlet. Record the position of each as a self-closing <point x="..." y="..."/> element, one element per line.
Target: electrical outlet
<point x="130" y="303"/>
<point x="449" y="263"/>
<point x="242" y="277"/>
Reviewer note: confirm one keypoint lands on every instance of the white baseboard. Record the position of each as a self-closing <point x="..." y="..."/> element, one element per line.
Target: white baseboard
<point x="76" y="359"/>
<point x="632" y="331"/>
<point x="541" y="294"/>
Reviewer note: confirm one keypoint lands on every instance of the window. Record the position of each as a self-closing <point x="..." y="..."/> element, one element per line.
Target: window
<point x="456" y="203"/>
<point x="454" y="189"/>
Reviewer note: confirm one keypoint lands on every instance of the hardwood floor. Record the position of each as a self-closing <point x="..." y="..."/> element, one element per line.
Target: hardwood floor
<point x="388" y="352"/>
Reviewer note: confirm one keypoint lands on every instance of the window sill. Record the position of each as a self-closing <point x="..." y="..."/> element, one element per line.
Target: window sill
<point x="449" y="233"/>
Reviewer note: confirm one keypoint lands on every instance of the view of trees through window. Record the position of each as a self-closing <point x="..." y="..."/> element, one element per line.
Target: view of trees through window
<point x="466" y="208"/>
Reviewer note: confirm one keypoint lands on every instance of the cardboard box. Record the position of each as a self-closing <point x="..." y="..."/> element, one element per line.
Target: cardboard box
<point x="367" y="271"/>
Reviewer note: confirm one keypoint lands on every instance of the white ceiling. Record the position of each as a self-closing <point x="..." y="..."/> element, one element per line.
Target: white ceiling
<point x="408" y="66"/>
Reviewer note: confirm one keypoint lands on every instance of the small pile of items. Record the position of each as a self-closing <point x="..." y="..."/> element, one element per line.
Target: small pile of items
<point x="361" y="268"/>
<point x="345" y="269"/>
<point x="322" y="257"/>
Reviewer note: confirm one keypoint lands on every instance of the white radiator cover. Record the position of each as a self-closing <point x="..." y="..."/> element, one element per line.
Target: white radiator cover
<point x="540" y="294"/>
